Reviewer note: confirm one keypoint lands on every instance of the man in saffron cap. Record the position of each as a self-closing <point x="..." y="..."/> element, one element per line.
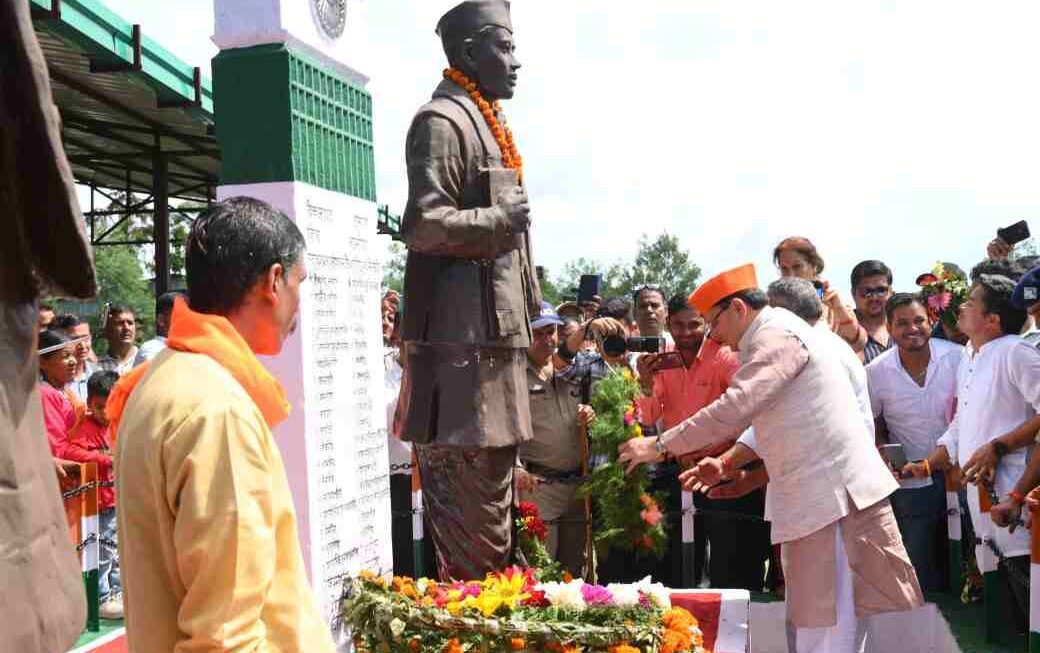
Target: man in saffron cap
<point x="472" y="292"/>
<point x="828" y="489"/>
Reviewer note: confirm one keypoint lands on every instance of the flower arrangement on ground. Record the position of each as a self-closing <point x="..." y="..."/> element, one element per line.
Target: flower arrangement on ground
<point x="629" y="517"/>
<point x="512" y="610"/>
<point x="943" y="291"/>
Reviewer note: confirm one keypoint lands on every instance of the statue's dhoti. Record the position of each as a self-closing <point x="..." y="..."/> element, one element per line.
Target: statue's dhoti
<point x="468" y="497"/>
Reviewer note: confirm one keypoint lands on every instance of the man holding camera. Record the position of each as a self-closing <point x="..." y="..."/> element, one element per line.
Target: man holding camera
<point x="675" y="386"/>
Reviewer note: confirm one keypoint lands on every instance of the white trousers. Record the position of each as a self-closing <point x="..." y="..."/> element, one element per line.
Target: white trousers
<point x="849" y="635"/>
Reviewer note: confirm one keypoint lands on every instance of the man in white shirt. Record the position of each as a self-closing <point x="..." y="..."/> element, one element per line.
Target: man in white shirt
<point x="998" y="395"/>
<point x="912" y="393"/>
<point x="120" y="332"/>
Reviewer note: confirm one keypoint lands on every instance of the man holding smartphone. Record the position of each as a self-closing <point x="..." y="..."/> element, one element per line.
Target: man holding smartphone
<point x="675" y="386"/>
<point x="913" y="389"/>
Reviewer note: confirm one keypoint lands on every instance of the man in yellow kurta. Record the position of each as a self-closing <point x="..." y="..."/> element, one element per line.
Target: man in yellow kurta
<point x="207" y="531"/>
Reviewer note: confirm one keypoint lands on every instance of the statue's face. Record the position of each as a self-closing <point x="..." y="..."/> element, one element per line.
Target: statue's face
<point x="492" y="57"/>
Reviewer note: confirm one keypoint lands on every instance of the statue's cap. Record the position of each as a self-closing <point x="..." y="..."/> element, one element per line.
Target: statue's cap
<point x="467" y="18"/>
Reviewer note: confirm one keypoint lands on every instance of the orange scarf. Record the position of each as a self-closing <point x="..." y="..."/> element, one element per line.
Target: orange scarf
<point x="214" y="336"/>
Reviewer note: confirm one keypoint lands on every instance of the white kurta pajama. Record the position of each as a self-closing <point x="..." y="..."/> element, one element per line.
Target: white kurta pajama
<point x="998" y="388"/>
<point x="827" y="480"/>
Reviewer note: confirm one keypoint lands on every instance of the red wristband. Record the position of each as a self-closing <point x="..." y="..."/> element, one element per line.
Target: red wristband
<point x="1017" y="497"/>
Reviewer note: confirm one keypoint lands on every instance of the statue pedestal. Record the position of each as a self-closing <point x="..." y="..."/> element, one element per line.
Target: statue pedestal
<point x="294" y="123"/>
<point x="334" y="442"/>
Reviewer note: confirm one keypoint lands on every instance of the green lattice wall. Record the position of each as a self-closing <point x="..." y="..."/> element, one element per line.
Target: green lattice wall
<point x="281" y="116"/>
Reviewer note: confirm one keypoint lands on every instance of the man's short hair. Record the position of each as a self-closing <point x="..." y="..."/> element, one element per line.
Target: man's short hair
<point x="870" y="268"/>
<point x="902" y="300"/>
<point x="647" y="288"/>
<point x="755" y="298"/>
<point x="679" y="302"/>
<point x="164" y="302"/>
<point x="796" y="295"/>
<point x="119" y="309"/>
<point x="996" y="266"/>
<point x="46" y="307"/>
<point x="100" y="383"/>
<point x="996" y="299"/>
<point x="617" y="308"/>
<point x="51" y="337"/>
<point x="1027" y="263"/>
<point x="232" y="244"/>
<point x="66" y="321"/>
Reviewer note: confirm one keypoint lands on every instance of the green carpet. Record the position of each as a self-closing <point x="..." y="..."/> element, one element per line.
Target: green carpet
<point x="967" y="622"/>
<point x="106" y="628"/>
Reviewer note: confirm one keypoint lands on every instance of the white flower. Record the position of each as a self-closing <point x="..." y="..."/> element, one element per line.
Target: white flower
<point x="397" y="627"/>
<point x="422" y="585"/>
<point x="625" y="594"/>
<point x="564" y="595"/>
<point x="656" y="592"/>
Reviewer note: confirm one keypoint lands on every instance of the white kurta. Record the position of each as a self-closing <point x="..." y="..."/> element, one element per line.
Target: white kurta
<point x="916" y="416"/>
<point x="998" y="388"/>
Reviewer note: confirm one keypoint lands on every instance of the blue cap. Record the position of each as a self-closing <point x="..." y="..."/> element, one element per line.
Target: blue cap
<point x="546" y="316"/>
<point x="1027" y="290"/>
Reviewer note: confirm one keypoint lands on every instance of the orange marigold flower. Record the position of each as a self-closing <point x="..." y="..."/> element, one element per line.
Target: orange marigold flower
<point x="571" y="648"/>
<point x="415" y="645"/>
<point x="518" y="643"/>
<point x="677" y="618"/>
<point x="567" y="577"/>
<point x="675" y="641"/>
<point x="623" y="647"/>
<point x="453" y="646"/>
<point x="503" y="136"/>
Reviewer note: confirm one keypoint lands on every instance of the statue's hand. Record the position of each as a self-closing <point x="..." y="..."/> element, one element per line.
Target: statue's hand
<point x="513" y="202"/>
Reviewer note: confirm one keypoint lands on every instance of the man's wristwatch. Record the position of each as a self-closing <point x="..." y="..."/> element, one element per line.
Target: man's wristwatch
<point x="1000" y="449"/>
<point x="661" y="449"/>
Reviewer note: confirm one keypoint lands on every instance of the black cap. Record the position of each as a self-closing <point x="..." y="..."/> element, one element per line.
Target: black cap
<point x="467" y="18"/>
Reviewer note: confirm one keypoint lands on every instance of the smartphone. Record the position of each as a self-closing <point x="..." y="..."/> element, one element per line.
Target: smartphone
<point x="818" y="285"/>
<point x="1015" y="233"/>
<point x="588" y="287"/>
<point x="893" y="455"/>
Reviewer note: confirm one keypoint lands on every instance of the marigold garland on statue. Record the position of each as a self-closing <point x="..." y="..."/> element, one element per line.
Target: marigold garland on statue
<point x="629" y="517"/>
<point x="513" y="610"/>
<point x="502" y="133"/>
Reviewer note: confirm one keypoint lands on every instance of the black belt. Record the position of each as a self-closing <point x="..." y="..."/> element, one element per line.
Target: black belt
<point x="573" y="476"/>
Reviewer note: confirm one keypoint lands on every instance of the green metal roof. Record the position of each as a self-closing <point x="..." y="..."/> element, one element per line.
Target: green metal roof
<point x="124" y="100"/>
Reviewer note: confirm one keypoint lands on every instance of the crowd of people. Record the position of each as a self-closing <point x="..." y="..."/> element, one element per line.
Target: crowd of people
<point x="75" y="384"/>
<point x="946" y="384"/>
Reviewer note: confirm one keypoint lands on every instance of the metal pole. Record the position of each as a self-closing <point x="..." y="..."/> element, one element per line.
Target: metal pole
<point x="161" y="224"/>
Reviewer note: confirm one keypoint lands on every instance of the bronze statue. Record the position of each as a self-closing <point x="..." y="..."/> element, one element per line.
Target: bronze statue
<point x="470" y="289"/>
<point x="44" y="246"/>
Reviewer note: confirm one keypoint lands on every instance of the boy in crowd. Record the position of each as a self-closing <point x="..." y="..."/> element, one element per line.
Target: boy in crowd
<point x="91" y="442"/>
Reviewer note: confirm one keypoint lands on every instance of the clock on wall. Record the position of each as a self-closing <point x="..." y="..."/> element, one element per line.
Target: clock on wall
<point x="331" y="16"/>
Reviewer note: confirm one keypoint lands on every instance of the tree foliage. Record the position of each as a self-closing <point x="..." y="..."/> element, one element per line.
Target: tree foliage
<point x="660" y="261"/>
<point x="393" y="272"/>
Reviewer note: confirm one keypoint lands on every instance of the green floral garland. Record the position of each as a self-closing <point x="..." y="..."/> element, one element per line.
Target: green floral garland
<point x="629" y="518"/>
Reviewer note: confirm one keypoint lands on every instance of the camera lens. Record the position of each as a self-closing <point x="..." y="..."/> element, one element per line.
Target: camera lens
<point x="614" y="345"/>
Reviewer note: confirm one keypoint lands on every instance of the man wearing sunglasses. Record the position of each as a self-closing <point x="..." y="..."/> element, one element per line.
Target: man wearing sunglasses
<point x="827" y="502"/>
<point x="871" y="288"/>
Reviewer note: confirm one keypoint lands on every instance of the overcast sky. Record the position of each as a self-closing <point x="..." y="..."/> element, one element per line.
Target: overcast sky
<point x="901" y="131"/>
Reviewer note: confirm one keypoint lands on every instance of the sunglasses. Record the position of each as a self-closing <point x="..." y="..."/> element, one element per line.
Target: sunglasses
<point x="878" y="291"/>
